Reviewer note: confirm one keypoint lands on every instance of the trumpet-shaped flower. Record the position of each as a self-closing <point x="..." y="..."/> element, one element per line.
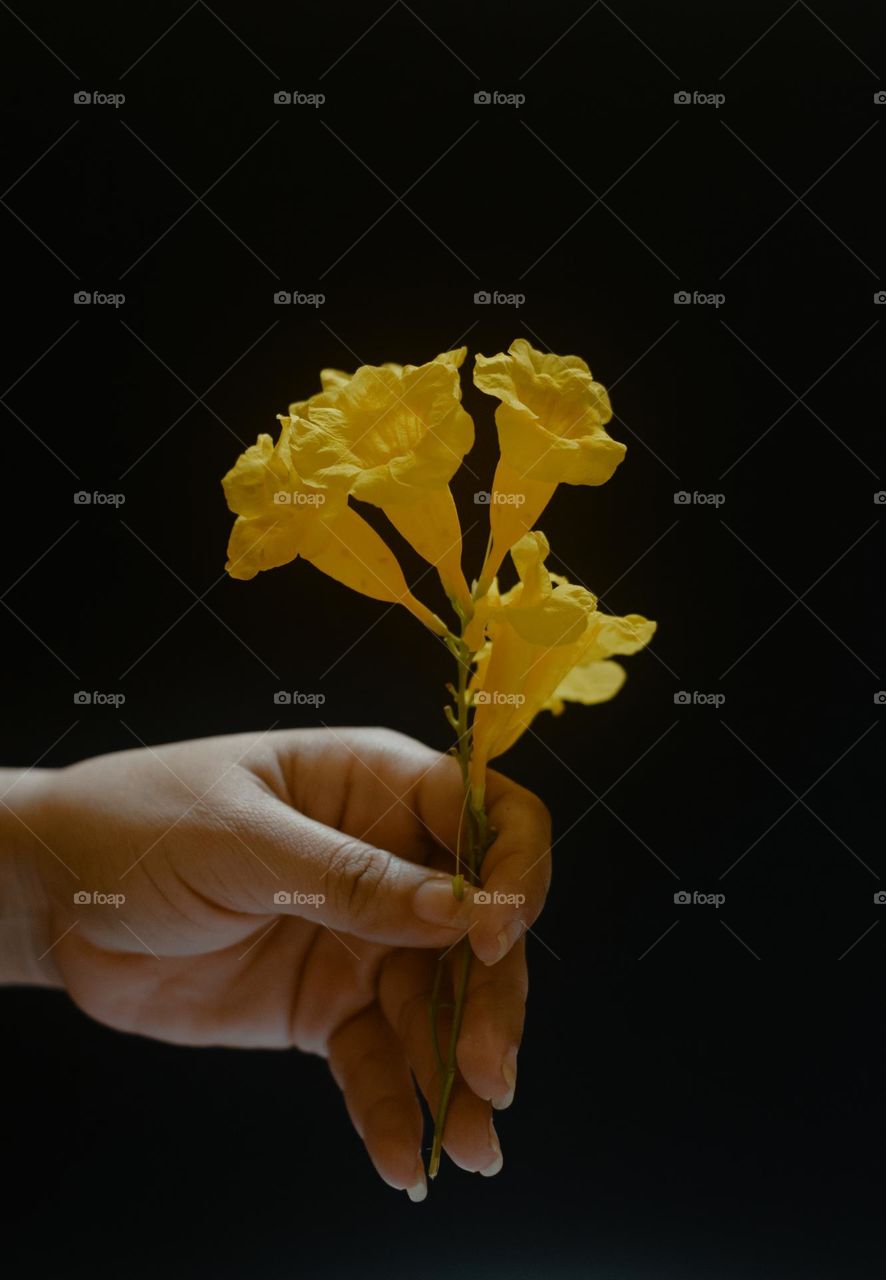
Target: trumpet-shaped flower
<point x="281" y="516"/>
<point x="394" y="435"/>
<point x="547" y="644"/>
<point x="550" y="420"/>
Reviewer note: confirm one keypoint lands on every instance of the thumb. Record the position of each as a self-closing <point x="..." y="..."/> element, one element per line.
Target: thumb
<point x="303" y="868"/>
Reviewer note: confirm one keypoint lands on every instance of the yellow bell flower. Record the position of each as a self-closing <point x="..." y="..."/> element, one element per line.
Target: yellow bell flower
<point x="551" y="431"/>
<point x="394" y="435"/>
<point x="547" y="644"/>
<point x="281" y="517"/>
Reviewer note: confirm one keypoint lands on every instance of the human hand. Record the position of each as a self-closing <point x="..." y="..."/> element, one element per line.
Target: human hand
<point x="200" y="836"/>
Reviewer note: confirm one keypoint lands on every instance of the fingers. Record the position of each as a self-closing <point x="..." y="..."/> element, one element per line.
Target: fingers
<point x="516" y="871"/>
<point x="370" y="1067"/>
<point x="384" y="896"/>
<point x="404" y="993"/>
<point x="375" y="784"/>
<point x="285" y="863"/>
<point x="493" y="1027"/>
<point x="398" y="802"/>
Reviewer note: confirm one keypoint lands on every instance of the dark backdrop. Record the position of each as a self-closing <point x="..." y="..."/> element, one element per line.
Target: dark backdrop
<point x="700" y="1087"/>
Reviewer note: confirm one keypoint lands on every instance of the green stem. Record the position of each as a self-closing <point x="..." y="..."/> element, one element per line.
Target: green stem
<point x="473" y="825"/>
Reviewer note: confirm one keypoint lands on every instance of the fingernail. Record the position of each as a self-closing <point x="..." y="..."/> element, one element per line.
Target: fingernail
<point x="491" y="1170"/>
<point x="509" y="1075"/>
<point x="419" y="1189"/>
<point x="505" y="939"/>
<point x="435" y="903"/>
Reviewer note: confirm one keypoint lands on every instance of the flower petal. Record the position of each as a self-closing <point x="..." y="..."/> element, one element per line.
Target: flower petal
<point x="269" y="541"/>
<point x="386" y="428"/>
<point x="589" y="684"/>
<point x="355" y="555"/>
<point x="550" y="424"/>
<point x="432" y="527"/>
<point x="548" y="642"/>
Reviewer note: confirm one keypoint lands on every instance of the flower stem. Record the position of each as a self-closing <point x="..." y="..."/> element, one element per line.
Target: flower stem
<point x="474" y="827"/>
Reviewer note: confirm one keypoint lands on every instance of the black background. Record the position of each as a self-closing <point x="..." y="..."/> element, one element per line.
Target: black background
<point x="700" y="1088"/>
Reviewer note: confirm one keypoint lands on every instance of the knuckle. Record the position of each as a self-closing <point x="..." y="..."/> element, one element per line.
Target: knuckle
<point x="356" y="874"/>
<point x="539" y="810"/>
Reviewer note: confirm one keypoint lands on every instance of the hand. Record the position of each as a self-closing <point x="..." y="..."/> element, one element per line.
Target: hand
<point x="356" y="830"/>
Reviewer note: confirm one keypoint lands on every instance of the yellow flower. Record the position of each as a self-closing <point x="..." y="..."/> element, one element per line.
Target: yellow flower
<point x="394" y="435"/>
<point x="551" y="431"/>
<point x="547" y="644"/>
<point x="281" y="516"/>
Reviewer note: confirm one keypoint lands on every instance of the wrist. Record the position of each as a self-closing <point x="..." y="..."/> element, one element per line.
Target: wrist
<point x="24" y="906"/>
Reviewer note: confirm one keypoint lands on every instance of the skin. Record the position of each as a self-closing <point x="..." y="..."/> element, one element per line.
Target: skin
<point x="199" y="837"/>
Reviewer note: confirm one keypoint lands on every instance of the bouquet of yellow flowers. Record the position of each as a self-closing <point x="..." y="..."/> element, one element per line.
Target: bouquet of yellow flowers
<point x="394" y="435"/>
